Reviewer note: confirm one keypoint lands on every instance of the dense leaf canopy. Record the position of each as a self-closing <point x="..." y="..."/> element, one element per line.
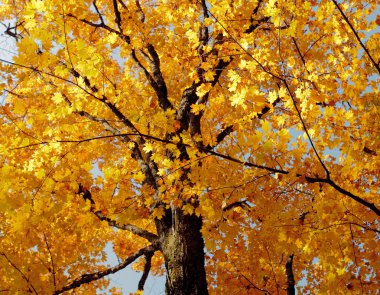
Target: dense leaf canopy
<point x="259" y="116"/>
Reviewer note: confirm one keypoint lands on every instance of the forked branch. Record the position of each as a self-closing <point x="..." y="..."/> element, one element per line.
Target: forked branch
<point x="86" y="195"/>
<point x="88" y="278"/>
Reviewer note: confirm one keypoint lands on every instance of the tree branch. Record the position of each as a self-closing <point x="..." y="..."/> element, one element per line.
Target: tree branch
<point x="123" y="135"/>
<point x="306" y="130"/>
<point x="156" y="81"/>
<point x="309" y="179"/>
<point x="254" y="24"/>
<point x="290" y="289"/>
<point x="365" y="227"/>
<point x="103" y="25"/>
<point x="86" y="195"/>
<point x="52" y="263"/>
<point x="251" y="284"/>
<point x="376" y="65"/>
<point x="233" y="205"/>
<point x="148" y="265"/>
<point x="148" y="167"/>
<point x="195" y="119"/>
<point x="140" y="11"/>
<point x="369" y="205"/>
<point x="31" y="287"/>
<point x="88" y="278"/>
<point x="355" y="258"/>
<point x="14" y="34"/>
<point x="162" y="91"/>
<point x="117" y="16"/>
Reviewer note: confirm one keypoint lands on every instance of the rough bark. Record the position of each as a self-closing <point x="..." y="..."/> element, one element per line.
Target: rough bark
<point x="182" y="245"/>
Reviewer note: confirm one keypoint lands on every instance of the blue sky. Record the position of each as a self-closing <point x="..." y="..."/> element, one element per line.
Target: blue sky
<point x="127" y="279"/>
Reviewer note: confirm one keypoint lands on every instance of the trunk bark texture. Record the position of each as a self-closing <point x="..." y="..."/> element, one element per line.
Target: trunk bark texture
<point x="183" y="248"/>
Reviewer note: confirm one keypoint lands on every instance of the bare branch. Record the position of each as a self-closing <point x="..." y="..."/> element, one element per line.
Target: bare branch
<point x="365" y="227"/>
<point x="376" y="65"/>
<point x="148" y="265"/>
<point x="12" y="31"/>
<point x="88" y="278"/>
<point x="255" y="23"/>
<point x="117" y="15"/>
<point x="52" y="262"/>
<point x="29" y="283"/>
<point x="98" y="12"/>
<point x="148" y="167"/>
<point x="161" y="91"/>
<point x="221" y="136"/>
<point x="122" y="135"/>
<point x="355" y="258"/>
<point x="233" y="205"/>
<point x="248" y="164"/>
<point x="352" y="196"/>
<point x="140" y="11"/>
<point x="104" y="122"/>
<point x="102" y="24"/>
<point x="156" y="81"/>
<point x="306" y="130"/>
<point x="251" y="284"/>
<point x="86" y="195"/>
<point x="302" y="56"/>
<point x="123" y="4"/>
<point x="309" y="179"/>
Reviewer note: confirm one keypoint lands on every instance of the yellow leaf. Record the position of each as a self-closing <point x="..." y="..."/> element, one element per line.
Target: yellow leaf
<point x="57" y="98"/>
<point x="188" y="209"/>
<point x="341" y="271"/>
<point x="139" y="176"/>
<point x="40" y="174"/>
<point x="148" y="147"/>
<point x="265" y="126"/>
<point x="197" y="108"/>
<point x="158" y="212"/>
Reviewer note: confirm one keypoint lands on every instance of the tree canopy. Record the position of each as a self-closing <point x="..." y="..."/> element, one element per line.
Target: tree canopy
<point x="157" y="126"/>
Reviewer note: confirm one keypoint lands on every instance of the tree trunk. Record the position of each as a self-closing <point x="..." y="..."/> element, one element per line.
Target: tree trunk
<point x="183" y="249"/>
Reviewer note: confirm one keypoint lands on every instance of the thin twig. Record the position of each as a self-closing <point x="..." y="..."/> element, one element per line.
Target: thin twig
<point x="355" y="259"/>
<point x="29" y="283"/>
<point x="306" y="130"/>
<point x="52" y="262"/>
<point x="273" y="272"/>
<point x="376" y="65"/>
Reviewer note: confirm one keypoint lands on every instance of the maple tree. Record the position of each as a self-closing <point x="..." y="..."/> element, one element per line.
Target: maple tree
<point x="231" y="144"/>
